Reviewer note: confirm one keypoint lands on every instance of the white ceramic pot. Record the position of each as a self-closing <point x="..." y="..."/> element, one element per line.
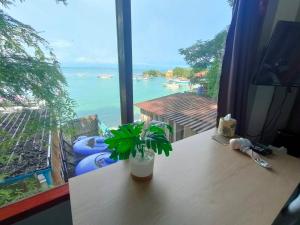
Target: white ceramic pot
<point x="142" y="167"/>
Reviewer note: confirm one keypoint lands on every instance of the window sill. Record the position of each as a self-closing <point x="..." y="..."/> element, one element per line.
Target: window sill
<point x="24" y="208"/>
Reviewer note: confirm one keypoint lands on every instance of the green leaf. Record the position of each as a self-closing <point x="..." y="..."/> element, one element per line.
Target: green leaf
<point x="114" y="155"/>
<point x="124" y="156"/>
<point x="156" y="129"/>
<point x="167" y="148"/>
<point x="148" y="143"/>
<point x="159" y="147"/>
<point x="124" y="146"/>
<point x="133" y="152"/>
<point x="170" y="128"/>
<point x="138" y="129"/>
<point x="129" y="138"/>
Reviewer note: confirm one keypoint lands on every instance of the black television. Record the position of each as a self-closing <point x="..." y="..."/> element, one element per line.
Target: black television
<point x="280" y="65"/>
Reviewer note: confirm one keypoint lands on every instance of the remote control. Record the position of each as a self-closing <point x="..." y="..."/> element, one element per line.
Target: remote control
<point x="261" y="149"/>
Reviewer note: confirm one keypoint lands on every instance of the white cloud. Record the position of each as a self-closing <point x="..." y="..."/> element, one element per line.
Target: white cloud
<point x="61" y="44"/>
<point x="87" y="59"/>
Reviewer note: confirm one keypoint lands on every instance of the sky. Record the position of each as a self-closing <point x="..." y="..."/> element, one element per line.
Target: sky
<point x="84" y="31"/>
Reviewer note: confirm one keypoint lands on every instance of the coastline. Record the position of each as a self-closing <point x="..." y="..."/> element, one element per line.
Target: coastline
<point x="101" y="96"/>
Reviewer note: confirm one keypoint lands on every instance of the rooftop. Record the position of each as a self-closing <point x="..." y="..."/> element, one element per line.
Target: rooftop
<point x="186" y="109"/>
<point x="30" y="152"/>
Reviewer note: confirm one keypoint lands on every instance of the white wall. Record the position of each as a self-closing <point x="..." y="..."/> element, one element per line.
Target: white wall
<point x="260" y="96"/>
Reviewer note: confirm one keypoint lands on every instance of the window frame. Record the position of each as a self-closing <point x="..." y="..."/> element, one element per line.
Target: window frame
<point x="123" y="19"/>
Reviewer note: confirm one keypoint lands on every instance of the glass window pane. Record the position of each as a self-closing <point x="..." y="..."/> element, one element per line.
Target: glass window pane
<point x="178" y="48"/>
<point x="39" y="92"/>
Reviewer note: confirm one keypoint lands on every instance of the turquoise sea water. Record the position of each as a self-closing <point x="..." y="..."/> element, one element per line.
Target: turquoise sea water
<point x="101" y="96"/>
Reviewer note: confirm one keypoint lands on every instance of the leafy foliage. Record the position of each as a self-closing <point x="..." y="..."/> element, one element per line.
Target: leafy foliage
<point x="130" y="139"/>
<point x="201" y="54"/>
<point x="212" y="79"/>
<point x="153" y="73"/>
<point x="197" y="80"/>
<point x="29" y="69"/>
<point x="207" y="55"/>
<point x="182" y="72"/>
<point x="13" y="192"/>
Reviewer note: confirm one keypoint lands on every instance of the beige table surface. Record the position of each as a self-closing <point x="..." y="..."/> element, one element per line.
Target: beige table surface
<point x="202" y="182"/>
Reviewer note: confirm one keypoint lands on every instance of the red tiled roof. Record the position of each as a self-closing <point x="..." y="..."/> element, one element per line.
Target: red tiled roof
<point x="186" y="109"/>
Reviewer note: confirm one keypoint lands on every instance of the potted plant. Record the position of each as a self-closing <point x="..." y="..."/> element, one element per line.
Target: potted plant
<point x="139" y="144"/>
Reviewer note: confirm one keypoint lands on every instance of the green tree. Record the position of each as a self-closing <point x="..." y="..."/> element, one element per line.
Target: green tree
<point x="182" y="72"/>
<point x="207" y="55"/>
<point x="201" y="54"/>
<point x="29" y="68"/>
<point x="212" y="78"/>
<point x="152" y="73"/>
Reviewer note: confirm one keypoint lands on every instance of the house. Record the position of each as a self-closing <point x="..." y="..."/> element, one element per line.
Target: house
<point x="187" y="113"/>
<point x="201" y="74"/>
<point x="169" y="74"/>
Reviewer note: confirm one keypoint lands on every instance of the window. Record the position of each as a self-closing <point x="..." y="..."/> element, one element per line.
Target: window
<point x="178" y="48"/>
<point x="176" y="67"/>
<point x="37" y="124"/>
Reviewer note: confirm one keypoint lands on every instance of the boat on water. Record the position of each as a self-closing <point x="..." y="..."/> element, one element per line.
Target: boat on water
<point x="171" y="85"/>
<point x="104" y="76"/>
<point x="139" y="78"/>
<point x="180" y="80"/>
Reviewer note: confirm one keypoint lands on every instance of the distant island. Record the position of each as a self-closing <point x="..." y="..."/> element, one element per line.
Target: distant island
<point x="180" y="73"/>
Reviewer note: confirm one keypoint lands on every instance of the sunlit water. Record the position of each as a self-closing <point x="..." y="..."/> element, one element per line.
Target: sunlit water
<point x="101" y="96"/>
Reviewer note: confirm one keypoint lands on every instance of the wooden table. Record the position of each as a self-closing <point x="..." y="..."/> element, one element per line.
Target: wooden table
<point x="202" y="182"/>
